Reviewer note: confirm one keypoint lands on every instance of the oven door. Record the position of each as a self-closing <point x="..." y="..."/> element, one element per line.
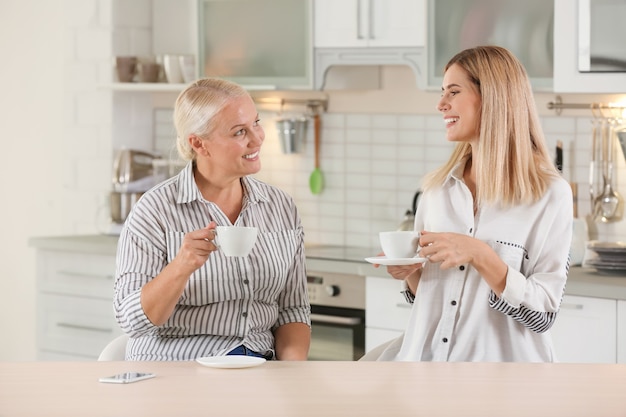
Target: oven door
<point x="337" y="334"/>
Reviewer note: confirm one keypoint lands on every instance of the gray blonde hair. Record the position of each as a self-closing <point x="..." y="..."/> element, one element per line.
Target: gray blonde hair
<point x="195" y="108"/>
<point x="512" y="161"/>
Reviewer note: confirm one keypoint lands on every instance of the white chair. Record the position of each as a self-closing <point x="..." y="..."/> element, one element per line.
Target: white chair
<point x="115" y="350"/>
<point x="375" y="353"/>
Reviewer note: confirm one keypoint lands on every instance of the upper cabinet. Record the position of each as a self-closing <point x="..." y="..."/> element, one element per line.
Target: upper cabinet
<point x="578" y="25"/>
<point x="257" y="43"/>
<point x="523" y="27"/>
<point x="369" y="33"/>
<point x="369" y="23"/>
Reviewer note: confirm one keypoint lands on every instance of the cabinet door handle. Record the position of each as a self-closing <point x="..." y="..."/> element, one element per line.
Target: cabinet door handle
<point x="359" y="28"/>
<point x="371" y="20"/>
<point x="404" y="305"/>
<point x="572" y="306"/>
<point x="328" y="319"/>
<point x="81" y="327"/>
<point x="82" y="274"/>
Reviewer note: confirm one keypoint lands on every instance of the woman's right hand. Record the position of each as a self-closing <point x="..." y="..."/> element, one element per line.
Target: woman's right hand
<point x="196" y="248"/>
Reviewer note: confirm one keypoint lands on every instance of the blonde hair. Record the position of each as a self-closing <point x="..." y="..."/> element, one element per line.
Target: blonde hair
<point x="196" y="107"/>
<point x="512" y="162"/>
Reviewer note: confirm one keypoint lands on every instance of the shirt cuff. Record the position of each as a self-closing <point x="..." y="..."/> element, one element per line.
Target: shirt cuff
<point x="408" y="295"/>
<point x="514" y="288"/>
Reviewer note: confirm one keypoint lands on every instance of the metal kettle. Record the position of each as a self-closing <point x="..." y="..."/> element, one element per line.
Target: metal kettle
<point x="409" y="216"/>
<point x="130" y="166"/>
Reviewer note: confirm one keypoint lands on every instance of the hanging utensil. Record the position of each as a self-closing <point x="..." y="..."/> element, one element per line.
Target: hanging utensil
<point x="612" y="203"/>
<point x="558" y="159"/>
<point x="596" y="169"/>
<point x="316" y="180"/>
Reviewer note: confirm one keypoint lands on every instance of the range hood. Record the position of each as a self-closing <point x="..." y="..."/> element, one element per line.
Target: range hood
<point x="415" y="58"/>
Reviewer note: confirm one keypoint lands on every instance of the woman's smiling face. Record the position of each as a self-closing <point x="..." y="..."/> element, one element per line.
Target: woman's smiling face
<point x="460" y="105"/>
<point x="234" y="144"/>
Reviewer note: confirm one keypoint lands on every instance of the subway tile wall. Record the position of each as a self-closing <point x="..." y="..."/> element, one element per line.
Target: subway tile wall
<point x="373" y="164"/>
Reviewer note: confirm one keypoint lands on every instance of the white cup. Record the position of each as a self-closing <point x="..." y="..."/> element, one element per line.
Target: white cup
<point x="399" y="244"/>
<point x="235" y="240"/>
<point x="171" y="67"/>
<point x="187" y="67"/>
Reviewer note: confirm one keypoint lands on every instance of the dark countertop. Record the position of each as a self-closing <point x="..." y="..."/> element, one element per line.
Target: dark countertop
<point x="345" y="260"/>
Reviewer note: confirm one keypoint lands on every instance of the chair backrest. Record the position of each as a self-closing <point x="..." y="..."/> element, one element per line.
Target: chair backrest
<point x="374" y="354"/>
<point x="115" y="350"/>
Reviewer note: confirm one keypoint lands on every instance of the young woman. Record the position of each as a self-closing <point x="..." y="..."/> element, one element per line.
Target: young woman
<point x="495" y="223"/>
<point x="176" y="295"/>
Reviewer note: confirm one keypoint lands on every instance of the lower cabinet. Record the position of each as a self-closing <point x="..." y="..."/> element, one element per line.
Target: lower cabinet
<point x="75" y="318"/>
<point x="386" y="310"/>
<point x="585" y="330"/>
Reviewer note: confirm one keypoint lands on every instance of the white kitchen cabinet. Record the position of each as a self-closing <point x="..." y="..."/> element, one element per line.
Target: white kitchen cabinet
<point x="386" y="310"/>
<point x="621" y="331"/>
<point x="567" y="78"/>
<point x="369" y="23"/>
<point x="585" y="330"/>
<point x="267" y="43"/>
<point x="525" y="28"/>
<point x="75" y="318"/>
<point x="357" y="35"/>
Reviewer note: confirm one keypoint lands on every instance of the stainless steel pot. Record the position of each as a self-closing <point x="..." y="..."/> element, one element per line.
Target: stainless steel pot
<point x="121" y="204"/>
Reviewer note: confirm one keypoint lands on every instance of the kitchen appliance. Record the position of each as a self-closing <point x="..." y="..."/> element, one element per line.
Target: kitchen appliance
<point x="601" y="33"/>
<point x="337" y="316"/>
<point x="409" y="216"/>
<point x="133" y="174"/>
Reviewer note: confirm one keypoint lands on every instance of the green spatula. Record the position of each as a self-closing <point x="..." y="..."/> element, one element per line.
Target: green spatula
<point x="316" y="180"/>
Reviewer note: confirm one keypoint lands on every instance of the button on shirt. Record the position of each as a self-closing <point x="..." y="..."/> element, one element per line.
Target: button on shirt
<point x="230" y="301"/>
<point x="456" y="316"/>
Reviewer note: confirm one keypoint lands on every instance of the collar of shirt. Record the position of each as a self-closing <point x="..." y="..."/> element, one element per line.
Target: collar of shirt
<point x="456" y="173"/>
<point x="188" y="189"/>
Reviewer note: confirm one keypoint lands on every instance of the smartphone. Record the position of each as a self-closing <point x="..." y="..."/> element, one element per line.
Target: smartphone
<point x="127" y="377"/>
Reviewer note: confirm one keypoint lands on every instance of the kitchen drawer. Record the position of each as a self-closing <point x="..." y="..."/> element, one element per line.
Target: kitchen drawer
<point x="585" y="330"/>
<point x="76" y="274"/>
<point x="385" y="305"/>
<point x="75" y="326"/>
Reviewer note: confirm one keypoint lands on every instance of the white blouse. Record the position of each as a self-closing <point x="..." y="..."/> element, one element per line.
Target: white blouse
<point x="456" y="316"/>
<point x="227" y="302"/>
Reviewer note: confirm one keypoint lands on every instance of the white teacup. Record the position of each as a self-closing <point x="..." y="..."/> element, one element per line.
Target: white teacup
<point x="235" y="240"/>
<point x="171" y="67"/>
<point x="399" y="244"/>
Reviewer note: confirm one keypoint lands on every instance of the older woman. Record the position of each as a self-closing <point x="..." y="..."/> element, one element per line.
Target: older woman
<point x="495" y="223"/>
<point x="176" y="295"/>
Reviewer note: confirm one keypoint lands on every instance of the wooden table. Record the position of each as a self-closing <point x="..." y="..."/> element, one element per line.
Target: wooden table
<point x="315" y="389"/>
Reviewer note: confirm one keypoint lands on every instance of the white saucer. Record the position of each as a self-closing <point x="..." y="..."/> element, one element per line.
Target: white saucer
<point x="383" y="260"/>
<point x="231" y="361"/>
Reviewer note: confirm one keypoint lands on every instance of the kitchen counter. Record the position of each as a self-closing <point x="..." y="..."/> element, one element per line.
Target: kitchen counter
<point x="347" y="260"/>
<point x="312" y="388"/>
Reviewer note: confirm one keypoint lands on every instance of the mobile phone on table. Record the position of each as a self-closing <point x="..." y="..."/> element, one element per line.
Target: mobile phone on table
<point x="126" y="377"/>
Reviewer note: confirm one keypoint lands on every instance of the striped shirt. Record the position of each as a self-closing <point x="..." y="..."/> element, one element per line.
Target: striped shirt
<point x="227" y="302"/>
<point x="456" y="316"/>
